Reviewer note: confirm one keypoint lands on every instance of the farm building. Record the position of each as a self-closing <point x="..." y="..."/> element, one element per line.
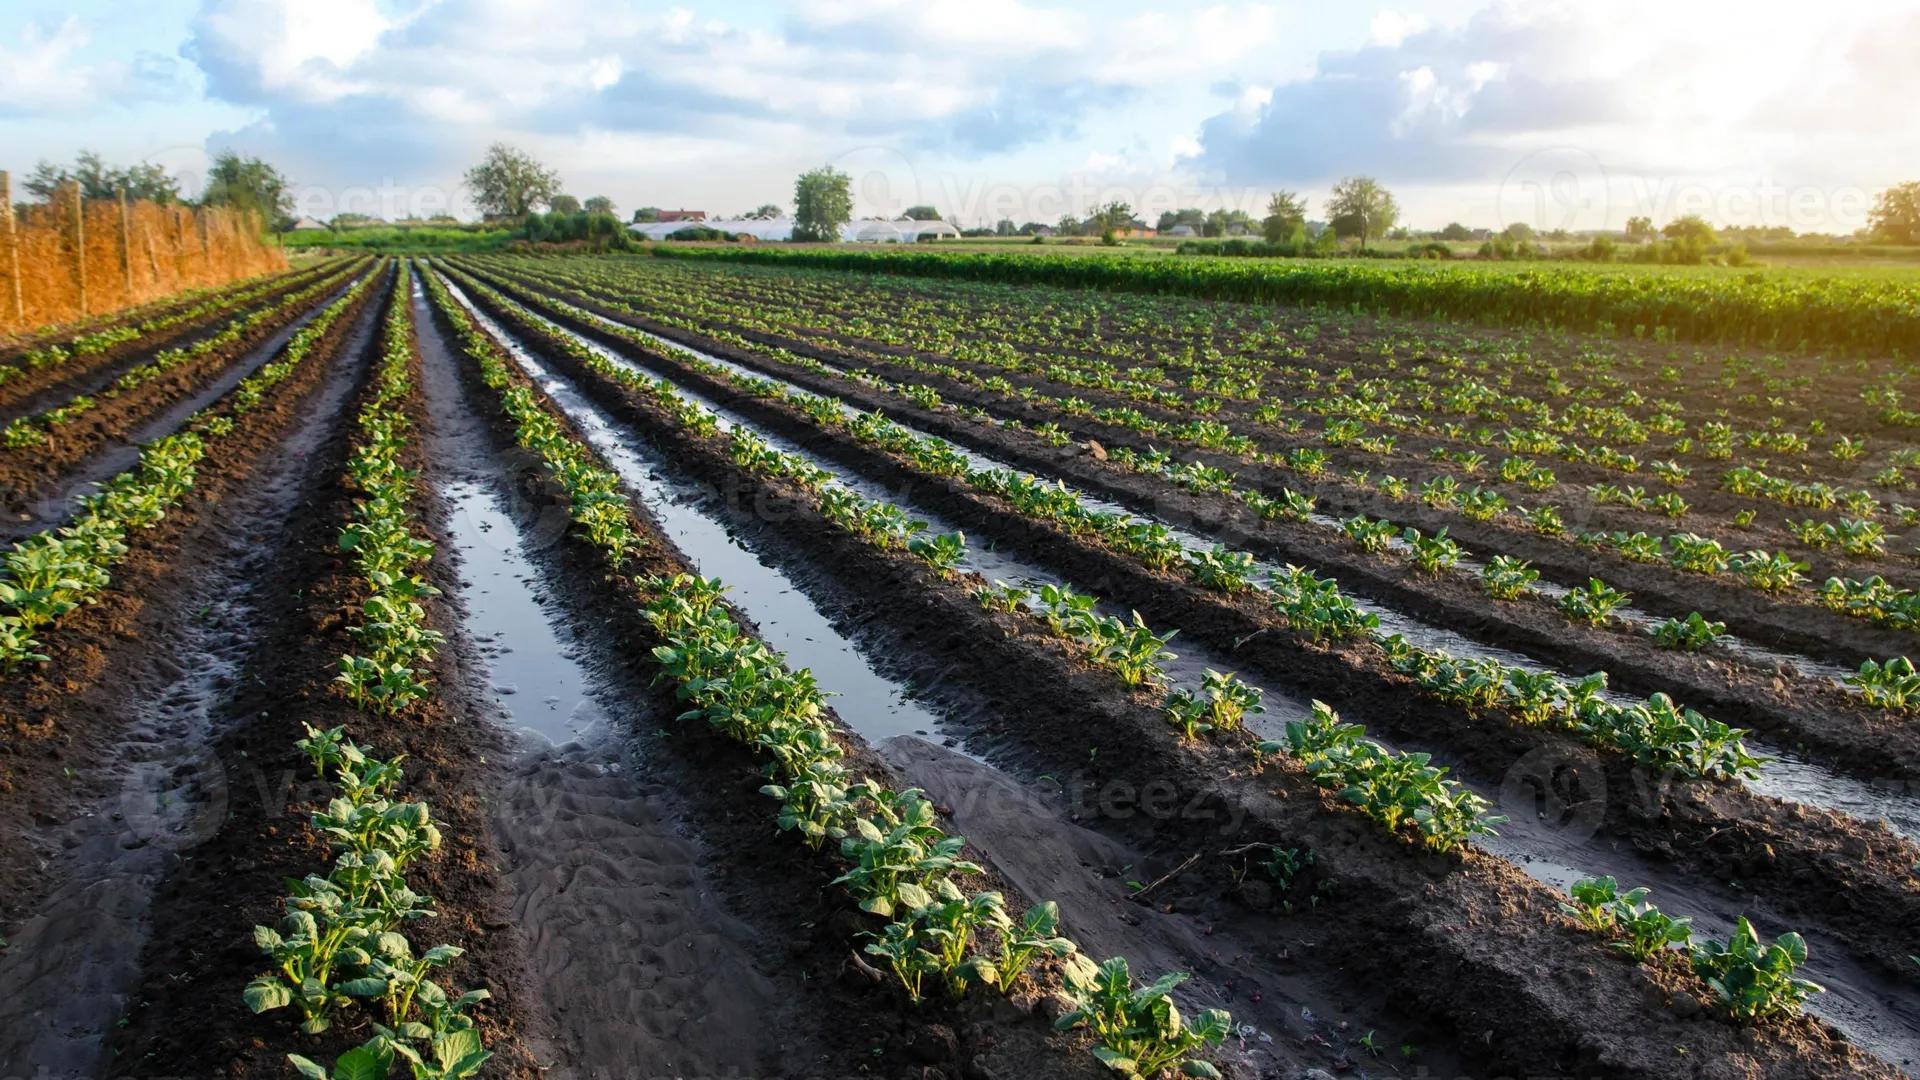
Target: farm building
<point x="307" y="224"/>
<point x="904" y="231"/>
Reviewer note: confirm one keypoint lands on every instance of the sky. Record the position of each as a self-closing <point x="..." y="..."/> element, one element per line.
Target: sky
<point x="1487" y="112"/>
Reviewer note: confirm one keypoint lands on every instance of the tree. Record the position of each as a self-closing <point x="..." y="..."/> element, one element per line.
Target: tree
<point x="822" y="202"/>
<point x="646" y="214"/>
<point x="1456" y="231"/>
<point x="1068" y="225"/>
<point x="1639" y="228"/>
<point x="249" y="184"/>
<point x="1519" y="232"/>
<point x="1116" y="215"/>
<point x="1361" y="207"/>
<point x="1224" y="222"/>
<point x="1691" y="229"/>
<point x="765" y="212"/>
<point x="599" y="204"/>
<point x="509" y="183"/>
<point x="922" y="213"/>
<point x="563" y="204"/>
<point x="1896" y="213"/>
<point x="1286" y="212"/>
<point x="98" y="180"/>
<point x="1173" y="219"/>
<point x="1004" y="227"/>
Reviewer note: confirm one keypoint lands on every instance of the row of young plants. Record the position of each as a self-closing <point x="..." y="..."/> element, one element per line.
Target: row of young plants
<point x="1771" y="572"/>
<point x="1401" y="791"/>
<point x="1503" y="577"/>
<point x="37" y="429"/>
<point x="1656" y="732"/>
<point x="183" y="309"/>
<point x="1749" y="978"/>
<point x="1090" y="358"/>
<point x="54" y="571"/>
<point x="899" y="865"/>
<point x="342" y="946"/>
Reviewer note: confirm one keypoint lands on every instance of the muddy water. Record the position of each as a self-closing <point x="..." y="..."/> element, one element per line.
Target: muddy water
<point x="1033" y="843"/>
<point x="532" y="671"/>
<point x="1556" y="851"/>
<point x="637" y="958"/>
<point x="1787" y="776"/>
<point x="65" y="976"/>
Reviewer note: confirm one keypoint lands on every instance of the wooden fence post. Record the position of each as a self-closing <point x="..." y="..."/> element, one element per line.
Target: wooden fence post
<point x="126" y="245"/>
<point x="13" y="248"/>
<point x="79" y="245"/>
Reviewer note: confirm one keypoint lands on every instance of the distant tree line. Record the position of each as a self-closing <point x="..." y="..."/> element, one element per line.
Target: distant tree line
<point x="242" y="183"/>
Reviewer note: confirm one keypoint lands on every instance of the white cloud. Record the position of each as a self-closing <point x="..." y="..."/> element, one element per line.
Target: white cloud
<point x="1390" y="28"/>
<point x="1649" y="96"/>
<point x="37" y="73"/>
<point x="287" y="48"/>
<point x="47" y="72"/>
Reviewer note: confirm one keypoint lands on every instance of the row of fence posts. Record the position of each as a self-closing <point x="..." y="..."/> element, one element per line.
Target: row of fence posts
<point x="10" y="237"/>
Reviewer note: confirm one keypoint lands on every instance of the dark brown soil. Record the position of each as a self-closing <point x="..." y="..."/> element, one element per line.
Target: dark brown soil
<point x="62" y="718"/>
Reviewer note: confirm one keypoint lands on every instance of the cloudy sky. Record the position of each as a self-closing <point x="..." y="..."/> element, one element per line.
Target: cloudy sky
<point x="1483" y="111"/>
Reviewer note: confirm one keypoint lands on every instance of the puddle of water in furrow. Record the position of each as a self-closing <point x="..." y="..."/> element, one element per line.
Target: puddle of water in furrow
<point x="1188" y="667"/>
<point x="534" y="675"/>
<point x="1787" y="776"/>
<point x="878" y="707"/>
<point x="1870" y="1009"/>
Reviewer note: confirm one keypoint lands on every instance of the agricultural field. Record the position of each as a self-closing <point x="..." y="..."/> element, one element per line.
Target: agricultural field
<point x="810" y="664"/>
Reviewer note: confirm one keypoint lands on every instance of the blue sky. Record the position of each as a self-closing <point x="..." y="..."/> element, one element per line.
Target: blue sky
<point x="1484" y="111"/>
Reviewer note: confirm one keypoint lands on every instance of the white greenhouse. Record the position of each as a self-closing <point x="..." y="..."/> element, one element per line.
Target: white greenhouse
<point x="903" y="231"/>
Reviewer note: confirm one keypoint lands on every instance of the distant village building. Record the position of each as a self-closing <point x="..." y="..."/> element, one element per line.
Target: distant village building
<point x="879" y="231"/>
<point x="668" y="216"/>
<point x="307" y="224"/>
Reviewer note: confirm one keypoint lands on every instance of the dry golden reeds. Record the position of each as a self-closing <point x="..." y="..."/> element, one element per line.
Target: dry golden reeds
<point x="127" y="253"/>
